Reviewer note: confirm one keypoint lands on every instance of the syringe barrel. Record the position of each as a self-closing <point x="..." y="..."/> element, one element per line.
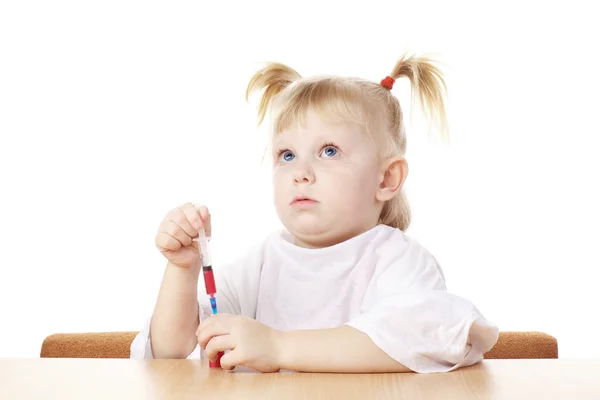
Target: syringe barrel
<point x="209" y="280"/>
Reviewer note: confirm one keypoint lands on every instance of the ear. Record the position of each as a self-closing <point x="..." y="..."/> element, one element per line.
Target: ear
<point x="393" y="175"/>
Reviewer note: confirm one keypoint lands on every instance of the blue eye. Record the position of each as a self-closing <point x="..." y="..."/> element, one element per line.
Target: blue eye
<point x="329" y="151"/>
<point x="287" y="156"/>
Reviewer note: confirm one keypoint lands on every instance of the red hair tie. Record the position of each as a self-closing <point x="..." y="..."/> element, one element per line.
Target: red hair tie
<point x="388" y="82"/>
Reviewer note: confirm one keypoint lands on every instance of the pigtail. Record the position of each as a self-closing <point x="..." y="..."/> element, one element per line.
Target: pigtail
<point x="428" y="87"/>
<point x="274" y="77"/>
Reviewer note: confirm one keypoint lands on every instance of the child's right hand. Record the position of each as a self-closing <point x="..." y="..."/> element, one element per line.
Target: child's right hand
<point x="176" y="231"/>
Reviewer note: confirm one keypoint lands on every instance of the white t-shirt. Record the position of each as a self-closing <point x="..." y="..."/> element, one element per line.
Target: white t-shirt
<point x="382" y="282"/>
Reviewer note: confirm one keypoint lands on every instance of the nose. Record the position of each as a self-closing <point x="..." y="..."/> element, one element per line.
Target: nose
<point x="303" y="174"/>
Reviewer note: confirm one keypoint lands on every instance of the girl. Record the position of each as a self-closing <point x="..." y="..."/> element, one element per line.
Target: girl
<point x="342" y="288"/>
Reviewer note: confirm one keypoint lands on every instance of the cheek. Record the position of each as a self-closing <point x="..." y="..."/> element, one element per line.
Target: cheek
<point x="352" y="187"/>
<point x="278" y="181"/>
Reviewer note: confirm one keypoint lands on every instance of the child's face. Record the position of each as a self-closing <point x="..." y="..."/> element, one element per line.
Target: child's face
<point x="336" y="167"/>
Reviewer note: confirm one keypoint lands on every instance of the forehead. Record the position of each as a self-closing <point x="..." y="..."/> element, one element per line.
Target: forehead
<point x="314" y="127"/>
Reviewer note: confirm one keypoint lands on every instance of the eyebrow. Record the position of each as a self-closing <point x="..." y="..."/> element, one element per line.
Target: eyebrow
<point x="278" y="142"/>
<point x="323" y="137"/>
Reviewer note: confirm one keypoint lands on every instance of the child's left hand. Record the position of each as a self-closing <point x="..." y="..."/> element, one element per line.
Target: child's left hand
<point x="252" y="344"/>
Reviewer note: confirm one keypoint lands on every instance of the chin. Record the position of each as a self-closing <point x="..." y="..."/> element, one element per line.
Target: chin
<point x="306" y="225"/>
<point x="317" y="234"/>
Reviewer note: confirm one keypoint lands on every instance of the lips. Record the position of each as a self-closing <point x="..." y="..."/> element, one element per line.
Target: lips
<point x="303" y="199"/>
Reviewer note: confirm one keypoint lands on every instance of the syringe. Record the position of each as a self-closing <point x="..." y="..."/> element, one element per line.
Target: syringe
<point x="209" y="281"/>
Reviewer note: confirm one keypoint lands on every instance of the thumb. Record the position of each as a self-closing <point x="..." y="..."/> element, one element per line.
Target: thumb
<point x="205" y="215"/>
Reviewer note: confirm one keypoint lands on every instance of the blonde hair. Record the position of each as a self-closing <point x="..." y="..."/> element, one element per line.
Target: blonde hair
<point x="287" y="97"/>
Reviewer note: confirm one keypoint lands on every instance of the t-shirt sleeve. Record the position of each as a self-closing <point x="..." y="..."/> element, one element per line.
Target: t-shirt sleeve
<point x="409" y="314"/>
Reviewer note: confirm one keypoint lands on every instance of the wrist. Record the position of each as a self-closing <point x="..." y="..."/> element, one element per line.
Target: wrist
<point x="282" y="349"/>
<point x="192" y="272"/>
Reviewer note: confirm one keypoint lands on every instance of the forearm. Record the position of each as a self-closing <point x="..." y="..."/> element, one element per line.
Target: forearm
<point x="343" y="349"/>
<point x="175" y="318"/>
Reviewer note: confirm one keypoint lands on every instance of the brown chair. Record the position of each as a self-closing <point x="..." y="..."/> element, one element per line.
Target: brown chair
<point x="116" y="345"/>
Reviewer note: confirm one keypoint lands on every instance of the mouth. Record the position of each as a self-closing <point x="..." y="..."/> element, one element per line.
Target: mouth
<point x="303" y="200"/>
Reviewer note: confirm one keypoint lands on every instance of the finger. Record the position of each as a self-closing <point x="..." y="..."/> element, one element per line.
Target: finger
<point x="217" y="344"/>
<point x="211" y="328"/>
<point x="230" y="360"/>
<point x="218" y="327"/>
<point x="192" y="216"/>
<point x="212" y="318"/>
<point x="203" y="323"/>
<point x="205" y="215"/>
<point x="166" y="242"/>
<point x="180" y="216"/>
<point x="176" y="232"/>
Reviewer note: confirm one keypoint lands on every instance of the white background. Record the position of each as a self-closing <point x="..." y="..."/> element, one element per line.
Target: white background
<point x="114" y="112"/>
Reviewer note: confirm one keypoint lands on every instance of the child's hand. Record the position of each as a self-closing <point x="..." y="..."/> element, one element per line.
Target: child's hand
<point x="176" y="231"/>
<point x="252" y="344"/>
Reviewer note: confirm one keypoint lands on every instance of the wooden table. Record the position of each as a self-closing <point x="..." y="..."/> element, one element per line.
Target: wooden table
<point x="174" y="379"/>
